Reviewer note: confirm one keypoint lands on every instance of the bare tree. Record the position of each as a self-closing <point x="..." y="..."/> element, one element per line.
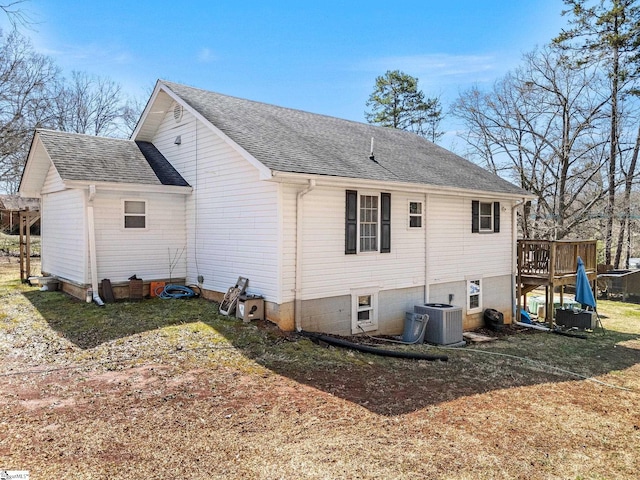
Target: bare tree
<point x="606" y="30"/>
<point x="33" y="95"/>
<point x="25" y="102"/>
<point x="93" y="105"/>
<point x="625" y="220"/>
<point x="541" y="126"/>
<point x="16" y="14"/>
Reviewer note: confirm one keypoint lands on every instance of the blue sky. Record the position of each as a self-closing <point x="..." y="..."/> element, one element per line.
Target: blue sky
<point x="320" y="56"/>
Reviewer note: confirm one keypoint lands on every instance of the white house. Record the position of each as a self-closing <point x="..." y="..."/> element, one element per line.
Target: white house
<point x="341" y="226"/>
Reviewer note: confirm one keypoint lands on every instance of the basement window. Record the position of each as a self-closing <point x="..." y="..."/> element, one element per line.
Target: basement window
<point x="364" y="310"/>
<point x="474" y="295"/>
<point x="135" y="214"/>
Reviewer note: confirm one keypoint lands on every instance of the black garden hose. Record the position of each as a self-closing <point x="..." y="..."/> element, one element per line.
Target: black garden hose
<point x="373" y="350"/>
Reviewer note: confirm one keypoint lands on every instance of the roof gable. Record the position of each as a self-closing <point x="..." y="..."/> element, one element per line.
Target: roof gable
<point x="295" y="141"/>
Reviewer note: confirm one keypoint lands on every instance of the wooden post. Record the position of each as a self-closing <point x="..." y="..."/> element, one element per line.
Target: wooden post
<point x="21" y="245"/>
<point x="552" y="274"/>
<point x="27" y="227"/>
<point x="519" y="282"/>
<point x="26" y="219"/>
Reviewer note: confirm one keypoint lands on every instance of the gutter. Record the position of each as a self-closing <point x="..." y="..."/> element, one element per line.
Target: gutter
<point x="298" y="288"/>
<point x="130" y="187"/>
<point x="92" y="247"/>
<point x="415" y="188"/>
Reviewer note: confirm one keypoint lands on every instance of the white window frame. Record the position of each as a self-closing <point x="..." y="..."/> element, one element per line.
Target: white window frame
<point x="371" y="324"/>
<point x="485" y="216"/>
<point x="474" y="289"/>
<point x="378" y="221"/>
<point x="415" y="215"/>
<point x="126" y="214"/>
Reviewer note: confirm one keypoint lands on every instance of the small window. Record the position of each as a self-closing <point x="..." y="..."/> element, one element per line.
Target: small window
<point x="474" y="296"/>
<point x="415" y="214"/>
<point x="365" y="308"/>
<point x="485" y="217"/>
<point x="135" y="214"/>
<point x="364" y="311"/>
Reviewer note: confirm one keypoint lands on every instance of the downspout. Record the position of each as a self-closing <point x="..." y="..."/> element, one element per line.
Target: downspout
<point x="515" y="315"/>
<point x="426" y="247"/>
<point x="298" y="289"/>
<point x="92" y="247"/>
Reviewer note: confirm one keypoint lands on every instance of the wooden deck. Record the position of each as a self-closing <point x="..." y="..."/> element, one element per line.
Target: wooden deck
<point x="551" y="264"/>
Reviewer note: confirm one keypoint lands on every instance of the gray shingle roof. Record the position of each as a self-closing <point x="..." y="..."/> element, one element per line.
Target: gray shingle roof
<point x="295" y="141"/>
<point x="100" y="159"/>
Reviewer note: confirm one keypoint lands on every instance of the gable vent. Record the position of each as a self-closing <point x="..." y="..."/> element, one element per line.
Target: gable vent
<point x="177" y="112"/>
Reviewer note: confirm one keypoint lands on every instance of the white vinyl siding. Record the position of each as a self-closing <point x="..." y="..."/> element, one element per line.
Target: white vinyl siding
<point x="52" y="182"/>
<point x="232" y="216"/>
<point x="326" y="270"/>
<point x="63" y="235"/>
<point x="157" y="251"/>
<point x="455" y="252"/>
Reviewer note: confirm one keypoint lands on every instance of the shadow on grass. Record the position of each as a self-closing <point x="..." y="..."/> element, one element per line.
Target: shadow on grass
<point x="382" y="385"/>
<point x="88" y="325"/>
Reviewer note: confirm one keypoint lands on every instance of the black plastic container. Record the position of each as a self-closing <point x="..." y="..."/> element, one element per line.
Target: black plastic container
<point x="493" y="319"/>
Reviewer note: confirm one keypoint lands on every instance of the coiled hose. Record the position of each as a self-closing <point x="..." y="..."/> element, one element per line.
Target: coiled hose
<point x="178" y="291"/>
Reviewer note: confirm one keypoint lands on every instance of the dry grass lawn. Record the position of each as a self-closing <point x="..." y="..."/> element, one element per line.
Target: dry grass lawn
<point x="168" y="389"/>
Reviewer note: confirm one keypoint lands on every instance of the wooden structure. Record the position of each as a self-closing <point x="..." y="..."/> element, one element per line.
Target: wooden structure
<point x="552" y="264"/>
<point x="27" y="219"/>
<point x="10" y="208"/>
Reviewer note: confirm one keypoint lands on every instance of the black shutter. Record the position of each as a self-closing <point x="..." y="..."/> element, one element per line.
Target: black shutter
<point x="496" y="217"/>
<point x="351" y="223"/>
<point x="475" y="216"/>
<point x="385" y="223"/>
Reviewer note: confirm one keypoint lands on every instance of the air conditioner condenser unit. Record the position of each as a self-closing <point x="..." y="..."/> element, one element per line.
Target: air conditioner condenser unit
<point x="445" y="323"/>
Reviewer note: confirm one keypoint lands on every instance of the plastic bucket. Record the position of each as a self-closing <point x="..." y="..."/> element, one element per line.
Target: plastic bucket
<point x="414" y="324"/>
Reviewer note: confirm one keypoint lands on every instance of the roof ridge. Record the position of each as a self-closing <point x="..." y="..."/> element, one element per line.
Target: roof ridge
<point x="278" y="107"/>
<point x="79" y="134"/>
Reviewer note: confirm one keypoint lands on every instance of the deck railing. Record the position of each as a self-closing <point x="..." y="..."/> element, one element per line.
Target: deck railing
<point x="547" y="258"/>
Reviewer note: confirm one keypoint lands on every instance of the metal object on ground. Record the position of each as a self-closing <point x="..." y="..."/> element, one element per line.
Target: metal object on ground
<point x="230" y="300"/>
<point x="250" y="307"/>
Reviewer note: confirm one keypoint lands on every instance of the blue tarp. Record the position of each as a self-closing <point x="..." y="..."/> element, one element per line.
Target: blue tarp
<point x="584" y="294"/>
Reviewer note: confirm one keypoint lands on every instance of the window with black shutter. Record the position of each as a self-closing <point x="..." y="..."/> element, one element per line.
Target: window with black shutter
<point x="367" y="222"/>
<point x="485" y="217"/>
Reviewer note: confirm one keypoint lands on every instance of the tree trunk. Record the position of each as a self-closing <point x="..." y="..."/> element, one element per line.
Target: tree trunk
<point x="610" y="210"/>
<point x="625" y="221"/>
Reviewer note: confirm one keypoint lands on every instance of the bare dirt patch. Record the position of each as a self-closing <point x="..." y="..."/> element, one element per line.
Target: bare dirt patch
<point x="209" y="397"/>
